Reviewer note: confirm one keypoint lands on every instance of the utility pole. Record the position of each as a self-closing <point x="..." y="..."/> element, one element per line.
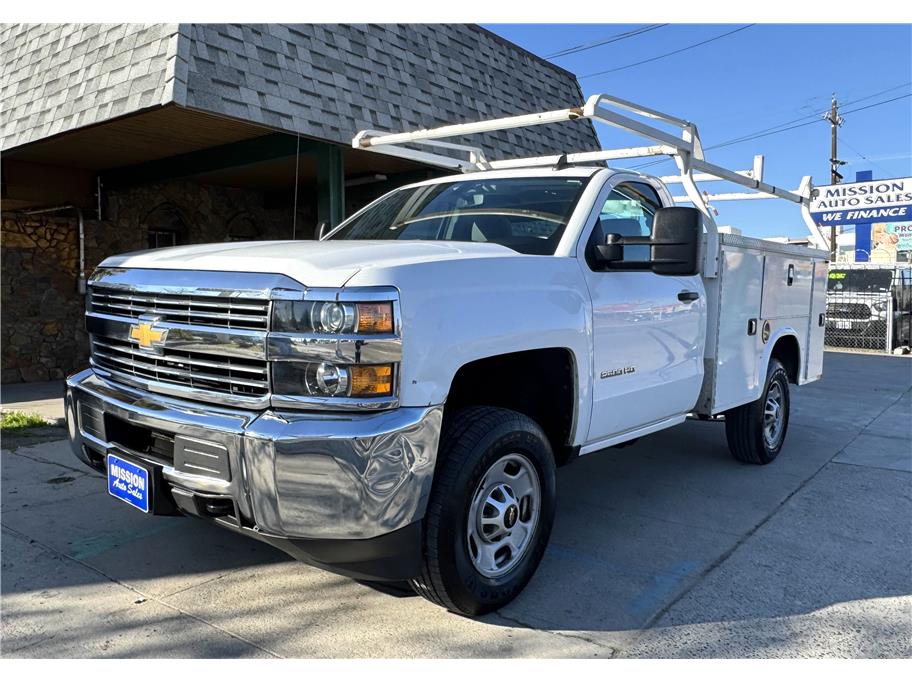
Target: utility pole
<point x="835" y="176"/>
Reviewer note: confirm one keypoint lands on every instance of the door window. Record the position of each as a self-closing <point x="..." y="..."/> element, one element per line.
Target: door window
<point x="629" y="211"/>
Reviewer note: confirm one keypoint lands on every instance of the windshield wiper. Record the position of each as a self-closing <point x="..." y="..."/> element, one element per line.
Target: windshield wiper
<point x="513" y="212"/>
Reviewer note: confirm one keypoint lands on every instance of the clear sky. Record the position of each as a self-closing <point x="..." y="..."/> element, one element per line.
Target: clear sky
<point x="752" y="81"/>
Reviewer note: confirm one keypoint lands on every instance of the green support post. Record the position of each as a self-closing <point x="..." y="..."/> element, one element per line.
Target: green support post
<point x="330" y="185"/>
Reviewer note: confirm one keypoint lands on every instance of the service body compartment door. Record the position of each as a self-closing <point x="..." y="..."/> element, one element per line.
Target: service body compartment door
<point x="786" y="287"/>
<point x="813" y="362"/>
<point x="738" y="347"/>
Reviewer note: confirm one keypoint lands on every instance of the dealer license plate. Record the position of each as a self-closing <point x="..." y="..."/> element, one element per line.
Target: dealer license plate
<point x="129" y="482"/>
<point x="842" y="324"/>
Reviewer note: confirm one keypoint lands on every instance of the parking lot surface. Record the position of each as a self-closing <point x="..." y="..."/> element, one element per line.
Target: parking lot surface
<point x="669" y="548"/>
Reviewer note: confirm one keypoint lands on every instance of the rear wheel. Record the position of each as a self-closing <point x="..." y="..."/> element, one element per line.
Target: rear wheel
<point x="490" y="512"/>
<point x="756" y="431"/>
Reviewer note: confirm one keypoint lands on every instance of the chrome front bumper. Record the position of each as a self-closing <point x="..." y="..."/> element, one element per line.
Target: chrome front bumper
<point x="283" y="475"/>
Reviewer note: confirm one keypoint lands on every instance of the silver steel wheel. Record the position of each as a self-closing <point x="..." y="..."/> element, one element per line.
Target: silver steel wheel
<point x="503" y="515"/>
<point x="773" y="415"/>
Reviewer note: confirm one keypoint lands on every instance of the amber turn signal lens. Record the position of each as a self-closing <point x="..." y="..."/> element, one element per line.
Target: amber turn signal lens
<point x="375" y="318"/>
<point x="369" y="381"/>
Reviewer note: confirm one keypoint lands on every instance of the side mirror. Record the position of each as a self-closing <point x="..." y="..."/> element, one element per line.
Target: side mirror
<point x="677" y="237"/>
<point x="322" y="229"/>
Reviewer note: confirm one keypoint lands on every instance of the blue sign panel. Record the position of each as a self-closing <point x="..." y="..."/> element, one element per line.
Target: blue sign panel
<point x="862" y="243"/>
<point x="863" y="232"/>
<point x="128" y="482"/>
<point x="861" y="203"/>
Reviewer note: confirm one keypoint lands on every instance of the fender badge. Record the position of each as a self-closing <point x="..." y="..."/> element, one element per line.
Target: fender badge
<point x="620" y="371"/>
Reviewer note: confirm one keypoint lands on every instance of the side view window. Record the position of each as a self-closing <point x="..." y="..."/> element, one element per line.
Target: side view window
<point x="629" y="211"/>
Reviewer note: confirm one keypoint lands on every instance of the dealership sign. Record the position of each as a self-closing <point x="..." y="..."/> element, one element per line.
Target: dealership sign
<point x="858" y="203"/>
<point x="902" y="235"/>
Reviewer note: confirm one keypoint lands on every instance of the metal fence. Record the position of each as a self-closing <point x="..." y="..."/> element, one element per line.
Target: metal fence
<point x="869" y="306"/>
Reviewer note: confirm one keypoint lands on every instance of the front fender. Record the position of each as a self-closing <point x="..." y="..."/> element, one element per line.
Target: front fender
<point x="456" y="312"/>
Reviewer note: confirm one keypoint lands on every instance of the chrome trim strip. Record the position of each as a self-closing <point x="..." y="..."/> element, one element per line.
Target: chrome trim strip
<point x="226" y="315"/>
<point x="183" y="391"/>
<point x="351" y="350"/>
<point x="215" y="378"/>
<point x="241" y="343"/>
<point x="347" y="294"/>
<point x="219" y="284"/>
<point x="135" y="350"/>
<point x="310" y="402"/>
<point x="98" y="291"/>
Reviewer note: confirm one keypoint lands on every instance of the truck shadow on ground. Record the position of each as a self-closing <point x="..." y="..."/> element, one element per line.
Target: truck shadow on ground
<point x="668" y="532"/>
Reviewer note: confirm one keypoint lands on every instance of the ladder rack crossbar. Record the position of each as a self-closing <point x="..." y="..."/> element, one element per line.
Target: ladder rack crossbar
<point x="632" y="107"/>
<point x="460" y="129"/>
<point x="685" y="148"/>
<point x="631" y="125"/>
<point x="585" y="157"/>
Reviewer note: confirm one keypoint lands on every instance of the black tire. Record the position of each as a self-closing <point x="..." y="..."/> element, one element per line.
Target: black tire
<point x="472" y="441"/>
<point x="744" y="425"/>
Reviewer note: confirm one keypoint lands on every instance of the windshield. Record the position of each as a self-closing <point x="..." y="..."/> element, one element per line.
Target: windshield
<point x="527" y="215"/>
<point x="869" y="281"/>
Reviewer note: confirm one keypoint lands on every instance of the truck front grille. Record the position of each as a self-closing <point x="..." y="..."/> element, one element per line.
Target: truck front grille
<point x="213" y="311"/>
<point x="229" y="375"/>
<point x="848" y="311"/>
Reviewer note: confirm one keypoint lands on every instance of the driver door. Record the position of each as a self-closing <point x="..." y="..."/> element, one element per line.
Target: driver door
<point x="648" y="330"/>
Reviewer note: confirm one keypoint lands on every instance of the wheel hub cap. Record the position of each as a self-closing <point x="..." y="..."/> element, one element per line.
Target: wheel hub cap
<point x="503" y="515"/>
<point x="773" y="416"/>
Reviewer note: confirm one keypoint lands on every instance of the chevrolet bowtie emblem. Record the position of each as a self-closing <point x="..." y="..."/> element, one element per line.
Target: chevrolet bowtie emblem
<point x="146" y="335"/>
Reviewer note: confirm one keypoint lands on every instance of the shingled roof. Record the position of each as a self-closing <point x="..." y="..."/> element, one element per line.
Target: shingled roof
<point x="321" y="81"/>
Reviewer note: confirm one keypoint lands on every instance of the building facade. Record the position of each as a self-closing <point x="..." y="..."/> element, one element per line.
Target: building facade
<point x="123" y="137"/>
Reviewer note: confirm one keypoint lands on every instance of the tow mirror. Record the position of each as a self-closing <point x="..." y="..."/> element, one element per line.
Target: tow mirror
<point x="677" y="235"/>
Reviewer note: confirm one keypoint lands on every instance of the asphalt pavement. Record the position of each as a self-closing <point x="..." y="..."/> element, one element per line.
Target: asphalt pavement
<point x="669" y="548"/>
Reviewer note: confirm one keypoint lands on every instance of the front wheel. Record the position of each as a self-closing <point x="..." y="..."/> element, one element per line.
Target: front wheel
<point x="490" y="512"/>
<point x="756" y="431"/>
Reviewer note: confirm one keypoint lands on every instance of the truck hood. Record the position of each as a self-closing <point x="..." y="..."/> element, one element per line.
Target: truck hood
<point x="313" y="264"/>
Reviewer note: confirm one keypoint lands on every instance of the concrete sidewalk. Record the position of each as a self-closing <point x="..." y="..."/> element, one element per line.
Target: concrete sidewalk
<point x="668" y="548"/>
<point x="44" y="398"/>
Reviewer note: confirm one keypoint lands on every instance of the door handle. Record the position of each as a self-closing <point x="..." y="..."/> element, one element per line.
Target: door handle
<point x="688" y="296"/>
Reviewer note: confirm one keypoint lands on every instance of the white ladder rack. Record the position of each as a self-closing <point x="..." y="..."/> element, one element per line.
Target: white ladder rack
<point x="685" y="148"/>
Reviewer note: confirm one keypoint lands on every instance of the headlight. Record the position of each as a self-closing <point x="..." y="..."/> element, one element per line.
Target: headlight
<point x="328" y="380"/>
<point x="880" y="308"/>
<point x="332" y="317"/>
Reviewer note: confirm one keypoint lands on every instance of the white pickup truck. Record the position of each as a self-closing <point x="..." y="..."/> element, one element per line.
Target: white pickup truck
<point x="391" y="402"/>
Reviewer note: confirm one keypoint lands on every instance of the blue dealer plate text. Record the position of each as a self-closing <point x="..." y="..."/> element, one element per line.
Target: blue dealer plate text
<point x="128" y="482"/>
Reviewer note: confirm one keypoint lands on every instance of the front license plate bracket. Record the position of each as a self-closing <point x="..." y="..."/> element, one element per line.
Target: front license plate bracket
<point x="129" y="482"/>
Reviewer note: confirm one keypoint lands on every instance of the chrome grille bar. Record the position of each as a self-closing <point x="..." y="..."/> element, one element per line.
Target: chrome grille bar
<point x="232" y="376"/>
<point x="213" y="310"/>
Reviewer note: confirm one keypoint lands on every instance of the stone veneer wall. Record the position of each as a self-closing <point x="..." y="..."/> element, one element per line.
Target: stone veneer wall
<point x="42" y="333"/>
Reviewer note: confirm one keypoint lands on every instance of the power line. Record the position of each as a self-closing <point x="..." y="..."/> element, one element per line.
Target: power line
<point x="811" y="117"/>
<point x="669" y="54"/>
<point x="778" y="129"/>
<point x="877" y="104"/>
<point x="873" y="163"/>
<point x="854" y="101"/>
<point x="862" y="99"/>
<point x="606" y="41"/>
